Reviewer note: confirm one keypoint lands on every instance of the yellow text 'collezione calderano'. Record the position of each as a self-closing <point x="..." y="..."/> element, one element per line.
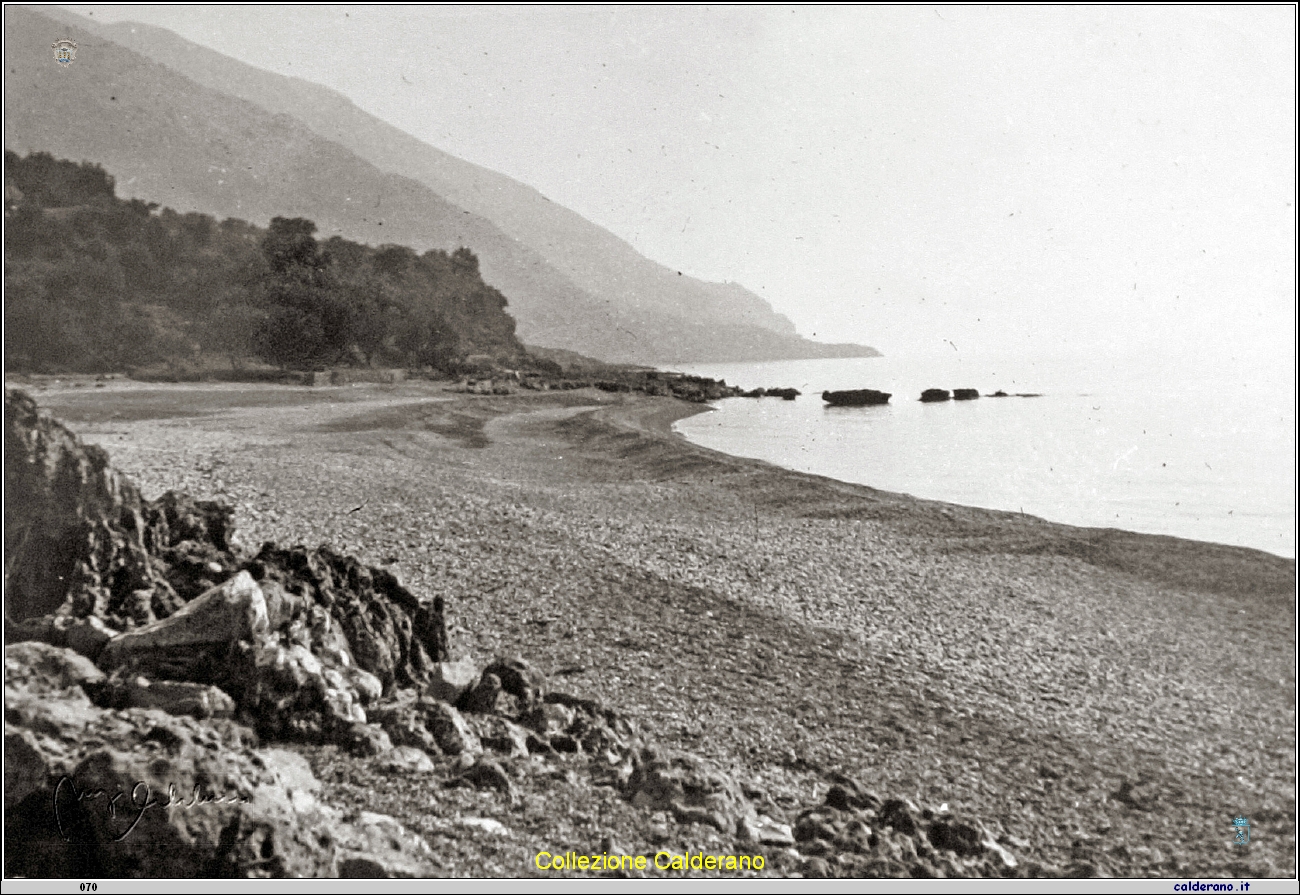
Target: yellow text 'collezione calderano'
<point x="661" y="861"/>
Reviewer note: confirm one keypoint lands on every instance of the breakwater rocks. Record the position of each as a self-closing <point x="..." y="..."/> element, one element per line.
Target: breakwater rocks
<point x="178" y="706"/>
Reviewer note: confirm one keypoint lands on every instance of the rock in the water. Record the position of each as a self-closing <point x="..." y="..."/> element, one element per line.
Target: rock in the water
<point x="965" y="394"/>
<point x="862" y="397"/>
<point x="931" y="395"/>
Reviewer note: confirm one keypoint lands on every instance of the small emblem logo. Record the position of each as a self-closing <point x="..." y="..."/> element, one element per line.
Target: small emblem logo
<point x="65" y="51"/>
<point x="1243" y="830"/>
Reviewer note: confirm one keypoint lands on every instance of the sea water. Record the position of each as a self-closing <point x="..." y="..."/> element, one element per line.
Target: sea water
<point x="1150" y="444"/>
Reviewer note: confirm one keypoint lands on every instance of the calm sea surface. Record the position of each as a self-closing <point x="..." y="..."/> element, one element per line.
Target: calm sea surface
<point x="1144" y="444"/>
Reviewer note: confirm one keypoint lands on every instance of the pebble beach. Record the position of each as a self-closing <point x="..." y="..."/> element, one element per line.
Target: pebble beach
<point x="1104" y="701"/>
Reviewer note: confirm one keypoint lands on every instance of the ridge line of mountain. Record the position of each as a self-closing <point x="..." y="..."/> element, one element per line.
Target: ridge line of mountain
<point x="168" y="138"/>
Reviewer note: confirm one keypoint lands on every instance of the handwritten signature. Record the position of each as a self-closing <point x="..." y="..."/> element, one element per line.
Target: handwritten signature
<point x="139" y="800"/>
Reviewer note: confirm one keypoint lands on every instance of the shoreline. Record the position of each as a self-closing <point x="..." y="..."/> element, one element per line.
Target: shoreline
<point x="781" y="623"/>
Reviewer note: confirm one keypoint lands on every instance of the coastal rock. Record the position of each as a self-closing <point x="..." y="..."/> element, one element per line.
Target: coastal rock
<point x="74" y="527"/>
<point x="407" y="760"/>
<point x="765" y="831"/>
<point x="449" y="729"/>
<point x="301" y="640"/>
<point x="484" y="697"/>
<point x="448" y="681"/>
<point x="863" y="397"/>
<point x="87" y="636"/>
<point x="367" y="740"/>
<point x="500" y="734"/>
<point x="788" y="394"/>
<point x="931" y="395"/>
<point x="847" y="794"/>
<point x="902" y="815"/>
<point x="965" y="394"/>
<point x="404" y="724"/>
<point x="857" y="835"/>
<point x="488" y="774"/>
<point x="25" y="768"/>
<point x="39" y="669"/>
<point x="693" y="789"/>
<point x="391" y="634"/>
<point x="173" y="697"/>
<point x="193" y="799"/>
<point x="509" y="687"/>
<point x="194" y="641"/>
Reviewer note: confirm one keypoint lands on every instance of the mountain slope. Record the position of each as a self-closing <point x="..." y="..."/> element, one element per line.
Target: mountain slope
<point x="589" y="255"/>
<point x="170" y="139"/>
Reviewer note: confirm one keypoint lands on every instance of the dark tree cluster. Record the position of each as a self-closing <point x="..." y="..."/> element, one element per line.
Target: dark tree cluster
<point x="94" y="283"/>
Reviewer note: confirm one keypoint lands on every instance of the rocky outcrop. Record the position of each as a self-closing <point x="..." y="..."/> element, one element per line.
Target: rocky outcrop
<point x="74" y="527"/>
<point x="302" y="640"/>
<point x="788" y="394"/>
<point x="143" y="793"/>
<point x="931" y="395"/>
<point x="965" y="394"/>
<point x="862" y="397"/>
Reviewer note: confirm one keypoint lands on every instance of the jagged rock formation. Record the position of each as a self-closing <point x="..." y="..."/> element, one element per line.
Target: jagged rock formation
<point x="301" y="639"/>
<point x="176" y="797"/>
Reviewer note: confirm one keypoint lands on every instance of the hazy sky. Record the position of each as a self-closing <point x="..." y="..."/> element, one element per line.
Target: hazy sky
<point x="1006" y="178"/>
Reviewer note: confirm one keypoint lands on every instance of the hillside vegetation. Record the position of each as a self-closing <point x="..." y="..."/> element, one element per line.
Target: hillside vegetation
<point x="94" y="283"/>
<point x="198" y="132"/>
